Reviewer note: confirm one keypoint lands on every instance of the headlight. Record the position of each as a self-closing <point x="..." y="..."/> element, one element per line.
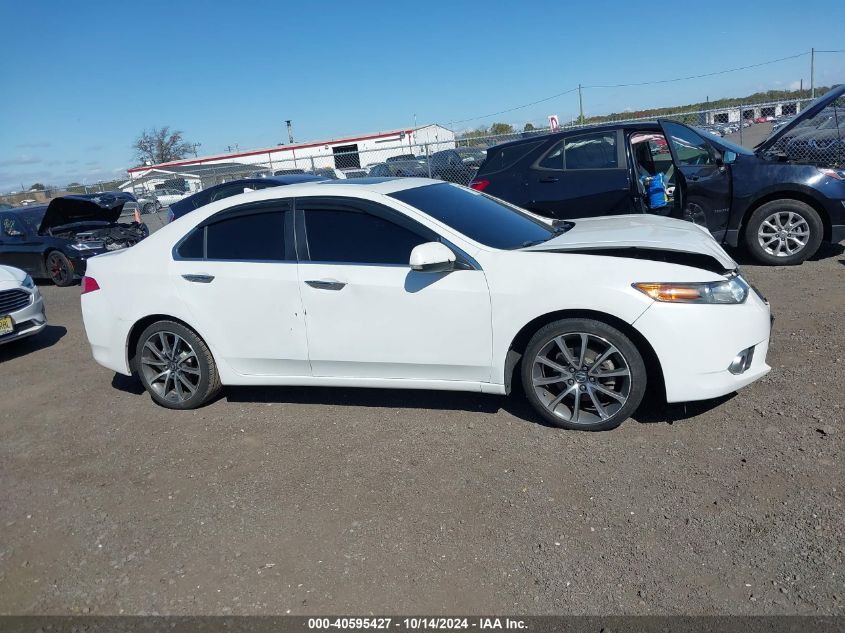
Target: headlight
<point x="82" y="246"/>
<point x="733" y="290"/>
<point x="28" y="283"/>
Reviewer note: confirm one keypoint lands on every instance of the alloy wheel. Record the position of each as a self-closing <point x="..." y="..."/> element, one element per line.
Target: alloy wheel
<point x="170" y="366"/>
<point x="581" y="378"/>
<point x="783" y="233"/>
<point x="58" y="268"/>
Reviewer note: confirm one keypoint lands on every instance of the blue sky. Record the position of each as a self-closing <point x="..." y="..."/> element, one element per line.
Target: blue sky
<point x="82" y="80"/>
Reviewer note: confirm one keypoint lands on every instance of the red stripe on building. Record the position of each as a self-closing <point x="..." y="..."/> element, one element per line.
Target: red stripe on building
<point x="269" y="150"/>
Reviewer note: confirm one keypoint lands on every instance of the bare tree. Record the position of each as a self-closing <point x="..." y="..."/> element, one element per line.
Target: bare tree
<point x="161" y="145"/>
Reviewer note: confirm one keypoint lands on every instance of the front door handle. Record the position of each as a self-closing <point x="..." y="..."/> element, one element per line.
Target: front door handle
<point x="200" y="279"/>
<point x="548" y="179"/>
<point x="326" y="284"/>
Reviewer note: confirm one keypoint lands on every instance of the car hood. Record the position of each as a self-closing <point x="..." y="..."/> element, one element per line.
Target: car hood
<point x="69" y="209"/>
<point x="811" y="110"/>
<point x="646" y="232"/>
<point x="8" y="273"/>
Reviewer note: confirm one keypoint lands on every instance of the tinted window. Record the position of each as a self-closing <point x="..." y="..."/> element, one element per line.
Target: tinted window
<point x="689" y="148"/>
<point x="361" y="238"/>
<point x="254" y="237"/>
<point x="505" y="157"/>
<point x="478" y="216"/>
<point x="587" y="151"/>
<point x="192" y="247"/>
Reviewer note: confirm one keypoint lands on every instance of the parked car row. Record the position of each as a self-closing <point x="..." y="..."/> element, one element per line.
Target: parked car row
<point x="370" y="260"/>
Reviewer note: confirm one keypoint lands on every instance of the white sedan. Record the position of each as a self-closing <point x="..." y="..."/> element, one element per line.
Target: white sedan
<point x="21" y="306"/>
<point x="416" y="283"/>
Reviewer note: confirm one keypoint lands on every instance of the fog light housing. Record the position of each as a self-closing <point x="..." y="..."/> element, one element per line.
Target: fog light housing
<point x="742" y="361"/>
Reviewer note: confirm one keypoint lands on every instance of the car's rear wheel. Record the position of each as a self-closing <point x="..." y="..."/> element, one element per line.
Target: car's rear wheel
<point x="583" y="374"/>
<point x="783" y="232"/>
<point x="175" y="366"/>
<point x="59" y="268"/>
<point x="148" y="208"/>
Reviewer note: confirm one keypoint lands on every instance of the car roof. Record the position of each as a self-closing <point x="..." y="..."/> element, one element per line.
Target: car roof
<point x="585" y="129"/>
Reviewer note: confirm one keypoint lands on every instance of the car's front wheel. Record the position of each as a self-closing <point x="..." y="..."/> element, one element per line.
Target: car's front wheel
<point x="583" y="374"/>
<point x="783" y="232"/>
<point x="175" y="366"/>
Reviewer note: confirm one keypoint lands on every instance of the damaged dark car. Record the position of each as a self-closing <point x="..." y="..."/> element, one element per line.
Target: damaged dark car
<point x="55" y="241"/>
<point x="779" y="204"/>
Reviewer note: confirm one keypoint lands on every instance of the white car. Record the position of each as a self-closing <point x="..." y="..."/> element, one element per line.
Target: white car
<point x="417" y="283"/>
<point x="166" y="197"/>
<point x="21" y="306"/>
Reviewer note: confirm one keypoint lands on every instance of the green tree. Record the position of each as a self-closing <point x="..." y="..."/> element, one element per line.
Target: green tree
<point x="37" y="187"/>
<point x="501" y="128"/>
<point x="529" y="127"/>
<point x="161" y="145"/>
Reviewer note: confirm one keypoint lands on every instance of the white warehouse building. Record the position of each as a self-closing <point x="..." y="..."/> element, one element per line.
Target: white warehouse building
<point x="344" y="153"/>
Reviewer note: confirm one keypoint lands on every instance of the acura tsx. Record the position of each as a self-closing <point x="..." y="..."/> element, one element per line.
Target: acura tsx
<point x="417" y="283"/>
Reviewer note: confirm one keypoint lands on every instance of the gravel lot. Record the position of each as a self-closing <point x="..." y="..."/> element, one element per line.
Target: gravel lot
<point x="352" y="501"/>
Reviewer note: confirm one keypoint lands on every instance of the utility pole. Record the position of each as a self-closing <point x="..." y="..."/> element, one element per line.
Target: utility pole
<point x="580" y="104"/>
<point x="812" y="73"/>
<point x="290" y="130"/>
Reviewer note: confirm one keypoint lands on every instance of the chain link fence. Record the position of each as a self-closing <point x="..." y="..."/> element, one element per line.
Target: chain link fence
<point x="455" y="157"/>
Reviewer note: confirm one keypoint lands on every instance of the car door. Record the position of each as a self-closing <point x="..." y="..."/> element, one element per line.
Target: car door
<point x="705" y="181"/>
<point x="369" y="315"/>
<point x="236" y="271"/>
<point x="582" y="175"/>
<point x="19" y="245"/>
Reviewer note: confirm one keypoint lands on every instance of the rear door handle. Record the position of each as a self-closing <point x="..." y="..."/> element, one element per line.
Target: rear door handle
<point x="548" y="179"/>
<point x="326" y="284"/>
<point x="200" y="279"/>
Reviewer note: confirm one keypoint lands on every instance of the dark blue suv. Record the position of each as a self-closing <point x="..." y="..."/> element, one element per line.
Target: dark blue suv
<point x="782" y="209"/>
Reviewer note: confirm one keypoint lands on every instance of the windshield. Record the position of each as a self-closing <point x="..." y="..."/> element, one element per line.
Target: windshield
<point x="32" y="217"/>
<point x="480" y="217"/>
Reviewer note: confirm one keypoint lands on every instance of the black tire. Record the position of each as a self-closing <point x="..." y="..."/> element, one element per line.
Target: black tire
<point x="596" y="410"/>
<point x="760" y="221"/>
<point x="148" y="208"/>
<point x="59" y="268"/>
<point x="166" y="392"/>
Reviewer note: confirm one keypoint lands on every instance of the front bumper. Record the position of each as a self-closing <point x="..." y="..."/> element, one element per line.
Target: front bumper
<point x="27" y="321"/>
<point x="696" y="345"/>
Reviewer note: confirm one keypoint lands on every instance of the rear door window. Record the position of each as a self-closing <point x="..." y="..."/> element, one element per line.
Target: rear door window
<point x="597" y="150"/>
<point x="245" y="235"/>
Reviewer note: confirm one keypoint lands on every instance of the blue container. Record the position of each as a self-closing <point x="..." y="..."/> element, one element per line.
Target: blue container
<point x="655" y="187"/>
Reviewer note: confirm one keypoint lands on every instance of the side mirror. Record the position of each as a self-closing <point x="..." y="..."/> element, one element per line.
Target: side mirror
<point x="729" y="157"/>
<point x="432" y="257"/>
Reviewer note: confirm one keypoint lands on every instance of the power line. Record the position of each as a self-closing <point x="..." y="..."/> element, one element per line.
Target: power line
<point x="718" y="72"/>
<point x="643" y="83"/>
<point x="527" y="105"/>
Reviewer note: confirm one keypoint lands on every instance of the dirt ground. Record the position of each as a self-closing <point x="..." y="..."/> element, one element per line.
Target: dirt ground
<point x="315" y="501"/>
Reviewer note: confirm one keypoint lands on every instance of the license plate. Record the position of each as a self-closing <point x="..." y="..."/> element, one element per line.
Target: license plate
<point x="6" y="325"/>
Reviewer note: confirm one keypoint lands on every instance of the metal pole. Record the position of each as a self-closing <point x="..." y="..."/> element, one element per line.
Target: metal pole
<point x="812" y="73"/>
<point x="581" y="104"/>
<point x="741" y="121"/>
<point x="428" y="160"/>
